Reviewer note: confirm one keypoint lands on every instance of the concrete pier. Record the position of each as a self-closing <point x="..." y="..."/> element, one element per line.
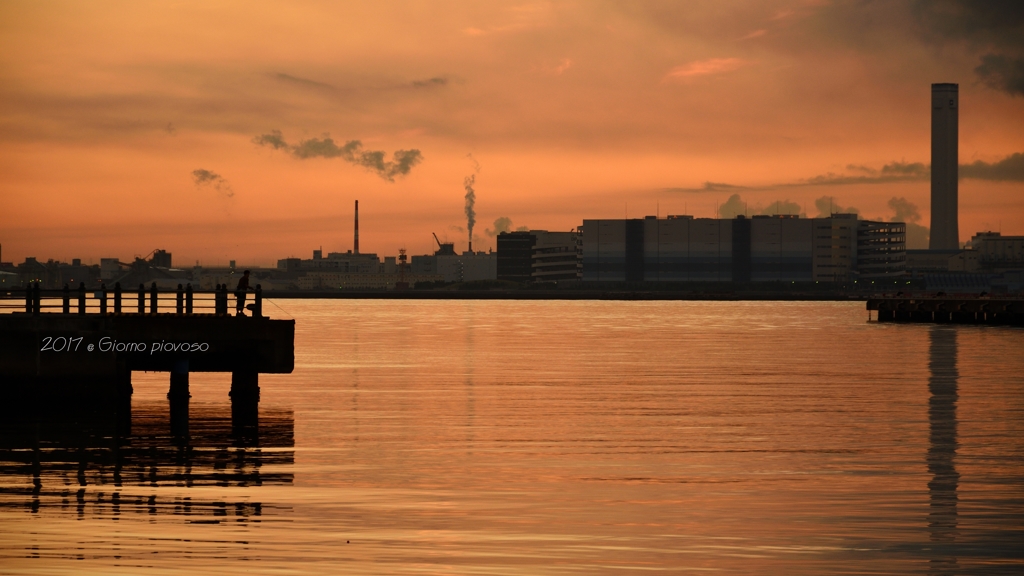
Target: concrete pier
<point x="74" y="356"/>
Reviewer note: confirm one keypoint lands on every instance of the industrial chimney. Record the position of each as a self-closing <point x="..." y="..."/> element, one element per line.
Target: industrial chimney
<point x="355" y="247"/>
<point x="945" y="233"/>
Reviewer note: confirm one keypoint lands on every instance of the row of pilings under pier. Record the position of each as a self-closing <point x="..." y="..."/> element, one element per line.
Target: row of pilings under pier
<point x="946" y="310"/>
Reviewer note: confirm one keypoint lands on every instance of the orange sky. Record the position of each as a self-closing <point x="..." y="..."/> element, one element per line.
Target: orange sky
<point x="573" y="110"/>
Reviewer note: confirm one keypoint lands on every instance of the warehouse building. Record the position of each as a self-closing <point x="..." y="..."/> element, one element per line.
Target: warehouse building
<point x="782" y="248"/>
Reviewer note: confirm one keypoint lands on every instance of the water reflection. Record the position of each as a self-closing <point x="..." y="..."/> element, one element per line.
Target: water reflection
<point x="106" y="462"/>
<point x="942" y="489"/>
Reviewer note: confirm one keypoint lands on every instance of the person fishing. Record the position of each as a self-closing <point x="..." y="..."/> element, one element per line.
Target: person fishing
<point x="243" y="287"/>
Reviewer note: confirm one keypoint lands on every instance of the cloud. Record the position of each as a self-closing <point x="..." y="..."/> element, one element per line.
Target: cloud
<point x="401" y="163"/>
<point x="994" y="27"/>
<point x="435" y="82"/>
<point x="274" y="139"/>
<point x="1010" y="169"/>
<point x="904" y="210"/>
<point x="827" y="206"/>
<point x="736" y="206"/>
<point x="907" y="212"/>
<point x="892" y="172"/>
<point x="705" y="68"/>
<point x="1002" y="73"/>
<point x="501" y="224"/>
<point x="208" y="179"/>
<point x="709" y="187"/>
<point x="303" y="82"/>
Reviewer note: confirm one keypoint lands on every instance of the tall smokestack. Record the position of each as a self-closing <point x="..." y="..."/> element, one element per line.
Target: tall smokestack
<point x="945" y="233"/>
<point x="355" y="247"/>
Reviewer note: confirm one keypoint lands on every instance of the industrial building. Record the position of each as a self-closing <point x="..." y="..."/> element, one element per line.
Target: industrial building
<point x="540" y="256"/>
<point x="451" y="267"/>
<point x="781" y="248"/>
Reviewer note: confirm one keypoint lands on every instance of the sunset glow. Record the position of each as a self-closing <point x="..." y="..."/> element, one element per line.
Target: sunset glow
<point x="126" y="127"/>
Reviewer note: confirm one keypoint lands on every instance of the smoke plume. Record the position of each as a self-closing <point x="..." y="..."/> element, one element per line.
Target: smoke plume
<point x="470" y="204"/>
<point x="375" y="161"/>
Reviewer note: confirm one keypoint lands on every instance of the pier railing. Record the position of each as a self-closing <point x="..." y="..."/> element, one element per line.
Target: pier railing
<point x="184" y="300"/>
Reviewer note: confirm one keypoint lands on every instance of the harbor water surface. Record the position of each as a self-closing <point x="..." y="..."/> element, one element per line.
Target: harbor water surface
<point x="540" y="437"/>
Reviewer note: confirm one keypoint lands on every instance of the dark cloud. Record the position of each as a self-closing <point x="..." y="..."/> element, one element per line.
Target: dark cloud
<point x="893" y="172"/>
<point x="1002" y="72"/>
<point x="995" y="27"/>
<point x="435" y="82"/>
<point x="709" y="187"/>
<point x="209" y="179"/>
<point x="401" y="162"/>
<point x="1009" y="169"/>
<point x="303" y="82"/>
<point x="274" y="139"/>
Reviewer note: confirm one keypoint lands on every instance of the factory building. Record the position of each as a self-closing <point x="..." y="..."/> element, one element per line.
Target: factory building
<point x="779" y="248"/>
<point x="451" y="267"/>
<point x="540" y="256"/>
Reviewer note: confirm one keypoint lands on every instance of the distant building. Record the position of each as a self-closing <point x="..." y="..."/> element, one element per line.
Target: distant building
<point x="515" y="256"/>
<point x="779" y="248"/>
<point x="998" y="252"/>
<point x="324" y="280"/>
<point x="451" y="267"/>
<point x="161" y="259"/>
<point x="539" y="256"/>
<point x="348" y="262"/>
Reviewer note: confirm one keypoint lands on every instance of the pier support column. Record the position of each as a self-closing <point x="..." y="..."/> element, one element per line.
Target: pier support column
<point x="179" y="395"/>
<point x="124" y="400"/>
<point x="245" y="401"/>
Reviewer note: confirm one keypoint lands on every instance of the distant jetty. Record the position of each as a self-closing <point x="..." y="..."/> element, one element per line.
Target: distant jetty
<point x="949" y="310"/>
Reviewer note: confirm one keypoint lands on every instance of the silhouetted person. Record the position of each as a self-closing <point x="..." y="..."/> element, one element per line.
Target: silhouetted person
<point x="243" y="286"/>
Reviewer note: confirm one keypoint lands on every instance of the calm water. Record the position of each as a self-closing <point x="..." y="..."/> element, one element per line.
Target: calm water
<point x="499" y="437"/>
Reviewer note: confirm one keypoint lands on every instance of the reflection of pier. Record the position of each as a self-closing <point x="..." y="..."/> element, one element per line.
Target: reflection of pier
<point x="90" y="463"/>
<point x="942" y="489"/>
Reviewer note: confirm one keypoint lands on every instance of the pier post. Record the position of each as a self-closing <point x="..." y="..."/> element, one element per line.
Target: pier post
<point x="124" y="399"/>
<point x="180" y="301"/>
<point x="103" y="299"/>
<point x="179" y="398"/>
<point x="67" y="299"/>
<point x="81" y="299"/>
<point x="28" y="299"/>
<point x="152" y="299"/>
<point x="188" y="299"/>
<point x="37" y="300"/>
<point x="245" y="400"/>
<point x="117" y="297"/>
<point x="142" y="298"/>
<point x="257" y="304"/>
<point x="221" y="300"/>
